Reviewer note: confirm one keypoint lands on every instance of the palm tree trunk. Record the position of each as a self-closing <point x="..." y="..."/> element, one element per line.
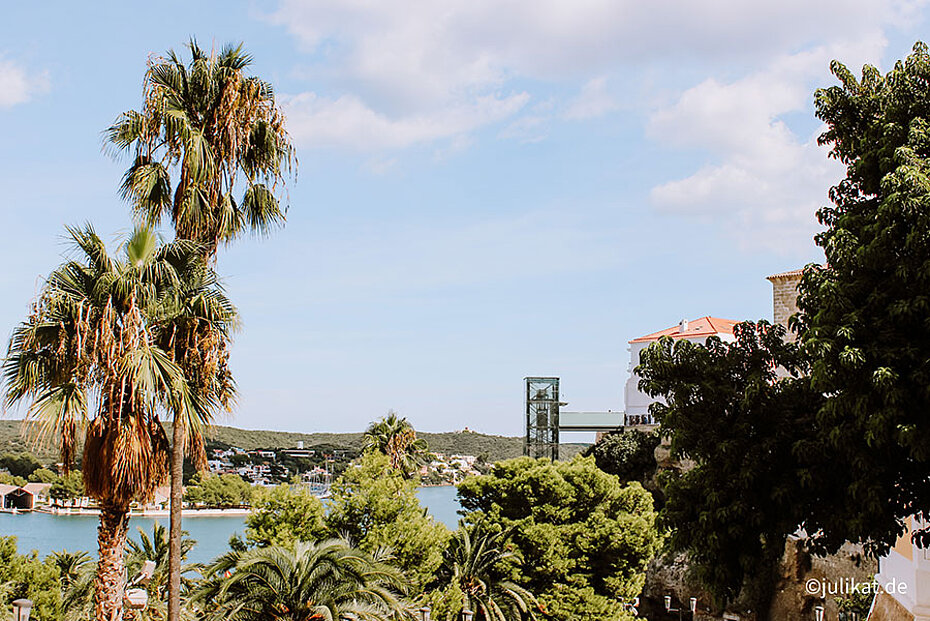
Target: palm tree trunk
<point x="110" y="582"/>
<point x="174" y="537"/>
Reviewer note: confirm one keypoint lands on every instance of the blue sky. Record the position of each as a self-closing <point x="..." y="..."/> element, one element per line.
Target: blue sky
<point x="486" y="190"/>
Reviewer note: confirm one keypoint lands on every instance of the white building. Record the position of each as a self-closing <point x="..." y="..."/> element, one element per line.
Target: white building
<point x="903" y="581"/>
<point x="636" y="403"/>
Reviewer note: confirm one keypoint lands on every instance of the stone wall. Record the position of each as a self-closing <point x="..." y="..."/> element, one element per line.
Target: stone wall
<point x="785" y="296"/>
<point x="791" y="599"/>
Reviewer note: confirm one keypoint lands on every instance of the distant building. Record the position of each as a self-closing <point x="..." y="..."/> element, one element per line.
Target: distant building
<point x="39" y="491"/>
<point x="697" y="330"/>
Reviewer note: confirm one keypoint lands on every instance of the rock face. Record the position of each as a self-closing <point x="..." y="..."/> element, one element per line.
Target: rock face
<point x="665" y="461"/>
<point x="792" y="598"/>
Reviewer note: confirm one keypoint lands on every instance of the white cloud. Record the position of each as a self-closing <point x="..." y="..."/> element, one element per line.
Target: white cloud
<point x="594" y="101"/>
<point x="16" y="85"/>
<point x="765" y="181"/>
<point x="414" y="71"/>
<point x="348" y="121"/>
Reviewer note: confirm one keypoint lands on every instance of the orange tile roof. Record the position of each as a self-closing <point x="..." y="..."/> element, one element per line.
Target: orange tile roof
<point x="788" y="274"/>
<point x="703" y="327"/>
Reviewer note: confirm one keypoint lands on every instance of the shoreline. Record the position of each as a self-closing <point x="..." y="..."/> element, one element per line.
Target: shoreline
<point x="147" y="513"/>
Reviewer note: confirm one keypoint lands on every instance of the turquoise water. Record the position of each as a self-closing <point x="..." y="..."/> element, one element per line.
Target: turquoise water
<point x="46" y="533"/>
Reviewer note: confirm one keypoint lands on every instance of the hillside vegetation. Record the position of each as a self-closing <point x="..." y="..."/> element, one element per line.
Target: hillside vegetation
<point x="12" y="440"/>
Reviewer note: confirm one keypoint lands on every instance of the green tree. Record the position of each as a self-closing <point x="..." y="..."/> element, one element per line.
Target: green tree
<point x="574" y="526"/>
<point x="322" y="580"/>
<point x="90" y="333"/>
<point x="225" y="490"/>
<point x="629" y="454"/>
<point x="155" y="548"/>
<point x="471" y="577"/>
<point x="395" y="437"/>
<point x="742" y="411"/>
<point x="43" y="475"/>
<point x="19" y="464"/>
<point x="8" y="479"/>
<point x="70" y="565"/>
<point x="863" y="316"/>
<point x="843" y="444"/>
<point x="374" y="506"/>
<point x="217" y="130"/>
<point x="68" y="487"/>
<point x="283" y="515"/>
<point x="25" y="576"/>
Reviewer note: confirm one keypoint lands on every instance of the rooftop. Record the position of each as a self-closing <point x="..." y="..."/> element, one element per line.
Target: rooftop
<point x="789" y="274"/>
<point x="696" y="328"/>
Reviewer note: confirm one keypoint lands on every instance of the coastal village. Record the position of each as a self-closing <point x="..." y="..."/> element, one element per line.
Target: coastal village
<point x="260" y="468"/>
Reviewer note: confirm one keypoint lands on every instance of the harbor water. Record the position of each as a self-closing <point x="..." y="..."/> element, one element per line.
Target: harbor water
<point x="46" y="533"/>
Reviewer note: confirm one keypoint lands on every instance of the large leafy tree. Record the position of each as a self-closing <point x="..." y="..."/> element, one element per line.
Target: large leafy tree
<point x="742" y="412"/>
<point x="582" y="536"/>
<point x="864" y="314"/>
<point x="304" y="581"/>
<point x="87" y="361"/>
<point x="209" y="153"/>
<point x="847" y="441"/>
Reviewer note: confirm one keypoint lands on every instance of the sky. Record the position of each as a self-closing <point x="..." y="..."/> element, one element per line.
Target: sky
<point x="485" y="191"/>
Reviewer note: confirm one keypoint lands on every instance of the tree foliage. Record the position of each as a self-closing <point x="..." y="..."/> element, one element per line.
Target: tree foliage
<point x="218" y="130"/>
<point x="841" y="447"/>
<point x="472" y="577"/>
<point x="25" y="576"/>
<point x="863" y="316"/>
<point x="68" y="487"/>
<point x="322" y="580"/>
<point x="575" y="527"/>
<point x="19" y="464"/>
<point x="283" y="515"/>
<point x="629" y="454"/>
<point x="223" y="490"/>
<point x="375" y="506"/>
<point x="395" y="437"/>
<point x="726" y="409"/>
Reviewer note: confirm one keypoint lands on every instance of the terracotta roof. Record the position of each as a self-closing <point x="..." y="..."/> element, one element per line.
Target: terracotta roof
<point x="37" y="488"/>
<point x="703" y="327"/>
<point x="796" y="272"/>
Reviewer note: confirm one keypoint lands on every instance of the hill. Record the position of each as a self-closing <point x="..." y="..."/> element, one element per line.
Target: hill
<point x="12" y="440"/>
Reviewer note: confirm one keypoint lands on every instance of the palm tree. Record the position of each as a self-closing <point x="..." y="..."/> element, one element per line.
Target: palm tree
<point x="87" y="360"/>
<point x="307" y="581"/>
<point x="215" y="129"/>
<point x="70" y="565"/>
<point x="155" y="548"/>
<point x="472" y="562"/>
<point x="396" y="438"/>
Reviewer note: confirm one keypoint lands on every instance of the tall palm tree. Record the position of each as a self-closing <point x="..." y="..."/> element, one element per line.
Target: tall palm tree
<point x="396" y="438"/>
<point x="472" y="562"/>
<point x="87" y="360"/>
<point x="307" y="581"/>
<point x="215" y="130"/>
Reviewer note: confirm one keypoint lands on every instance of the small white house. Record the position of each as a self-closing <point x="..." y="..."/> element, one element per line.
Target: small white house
<point x="697" y="330"/>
